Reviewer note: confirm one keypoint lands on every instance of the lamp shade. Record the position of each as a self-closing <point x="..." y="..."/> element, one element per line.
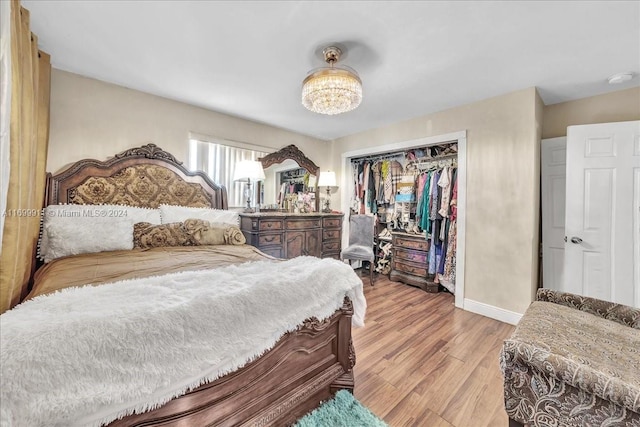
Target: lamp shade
<point x="248" y="170"/>
<point x="327" y="179"/>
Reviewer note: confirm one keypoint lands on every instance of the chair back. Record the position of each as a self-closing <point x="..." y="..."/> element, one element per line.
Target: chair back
<point x="361" y="230"/>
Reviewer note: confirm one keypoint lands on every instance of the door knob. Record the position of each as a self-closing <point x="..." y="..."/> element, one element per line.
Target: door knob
<point x="576" y="240"/>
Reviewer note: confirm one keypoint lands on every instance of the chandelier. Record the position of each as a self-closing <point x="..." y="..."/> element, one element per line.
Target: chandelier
<point x="332" y="90"/>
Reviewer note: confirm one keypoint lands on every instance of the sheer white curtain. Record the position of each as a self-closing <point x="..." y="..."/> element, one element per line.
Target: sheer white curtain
<point x="218" y="160"/>
<point x="5" y="106"/>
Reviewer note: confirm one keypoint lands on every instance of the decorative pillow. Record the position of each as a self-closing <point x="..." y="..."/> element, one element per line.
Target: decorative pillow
<point x="81" y="237"/>
<point x="214" y="233"/>
<point x="206" y="233"/>
<point x="233" y="236"/>
<point x="182" y="213"/>
<point x="147" y="235"/>
<point x="78" y="229"/>
<point x="192" y="232"/>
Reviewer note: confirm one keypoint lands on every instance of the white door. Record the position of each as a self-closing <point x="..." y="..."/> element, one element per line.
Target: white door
<point x="553" y="171"/>
<point x="602" y="251"/>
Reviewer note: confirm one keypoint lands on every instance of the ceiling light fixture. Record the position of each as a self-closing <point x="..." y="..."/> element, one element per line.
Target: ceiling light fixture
<point x="620" y="78"/>
<point x="332" y="90"/>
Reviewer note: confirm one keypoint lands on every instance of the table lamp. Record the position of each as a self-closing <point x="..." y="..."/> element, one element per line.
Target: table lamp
<point x="327" y="179"/>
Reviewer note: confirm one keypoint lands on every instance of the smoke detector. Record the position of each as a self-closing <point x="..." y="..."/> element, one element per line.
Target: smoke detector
<point x="620" y="78"/>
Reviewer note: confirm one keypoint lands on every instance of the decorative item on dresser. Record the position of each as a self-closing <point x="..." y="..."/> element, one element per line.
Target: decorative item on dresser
<point x="410" y="261"/>
<point x="287" y="235"/>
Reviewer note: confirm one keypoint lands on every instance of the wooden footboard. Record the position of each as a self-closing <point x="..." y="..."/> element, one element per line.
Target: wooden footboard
<point x="304" y="368"/>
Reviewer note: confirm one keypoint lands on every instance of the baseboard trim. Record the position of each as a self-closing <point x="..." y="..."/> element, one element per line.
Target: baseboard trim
<point x="506" y="316"/>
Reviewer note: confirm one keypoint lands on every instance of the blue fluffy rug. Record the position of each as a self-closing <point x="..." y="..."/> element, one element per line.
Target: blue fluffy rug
<point x="342" y="411"/>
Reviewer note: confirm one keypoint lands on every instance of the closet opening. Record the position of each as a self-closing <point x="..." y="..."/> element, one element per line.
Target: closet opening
<point x="416" y="189"/>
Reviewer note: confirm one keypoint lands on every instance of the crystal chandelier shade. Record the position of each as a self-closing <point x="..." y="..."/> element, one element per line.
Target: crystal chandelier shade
<point x="332" y="90"/>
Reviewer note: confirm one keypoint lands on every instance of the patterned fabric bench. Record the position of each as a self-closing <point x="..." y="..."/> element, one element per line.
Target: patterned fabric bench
<point x="573" y="361"/>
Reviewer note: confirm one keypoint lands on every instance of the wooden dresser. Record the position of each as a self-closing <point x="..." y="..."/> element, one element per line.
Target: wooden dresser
<point x="288" y="235"/>
<point x="410" y="261"/>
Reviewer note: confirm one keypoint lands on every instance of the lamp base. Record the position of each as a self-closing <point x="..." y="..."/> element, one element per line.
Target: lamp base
<point x="327" y="202"/>
<point x="247" y="194"/>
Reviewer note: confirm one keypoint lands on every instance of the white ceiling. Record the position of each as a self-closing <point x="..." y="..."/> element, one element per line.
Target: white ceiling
<point x="248" y="59"/>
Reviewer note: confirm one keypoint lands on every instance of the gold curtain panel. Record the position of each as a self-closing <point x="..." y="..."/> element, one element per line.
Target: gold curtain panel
<point x="30" y="91"/>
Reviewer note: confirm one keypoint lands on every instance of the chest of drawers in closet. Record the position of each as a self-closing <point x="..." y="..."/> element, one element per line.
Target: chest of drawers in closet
<point x="410" y="261"/>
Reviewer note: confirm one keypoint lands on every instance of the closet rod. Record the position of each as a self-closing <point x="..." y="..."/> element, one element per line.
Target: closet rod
<point x="377" y="157"/>
<point x="402" y="153"/>
<point x="426" y="161"/>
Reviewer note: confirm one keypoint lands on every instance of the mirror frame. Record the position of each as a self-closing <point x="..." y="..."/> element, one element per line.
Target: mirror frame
<point x="292" y="152"/>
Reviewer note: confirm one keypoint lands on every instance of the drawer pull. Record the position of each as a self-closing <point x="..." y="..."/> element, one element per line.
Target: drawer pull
<point x="270" y="239"/>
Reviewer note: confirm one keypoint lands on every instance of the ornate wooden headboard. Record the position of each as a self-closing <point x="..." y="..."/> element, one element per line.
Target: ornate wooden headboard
<point x="146" y="176"/>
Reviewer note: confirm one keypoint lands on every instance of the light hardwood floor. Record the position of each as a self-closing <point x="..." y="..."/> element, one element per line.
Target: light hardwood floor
<point x="422" y="362"/>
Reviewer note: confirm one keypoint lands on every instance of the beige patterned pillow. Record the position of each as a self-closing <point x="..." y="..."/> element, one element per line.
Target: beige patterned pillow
<point x="206" y="233"/>
<point x="147" y="235"/>
<point x="214" y="233"/>
<point x="192" y="232"/>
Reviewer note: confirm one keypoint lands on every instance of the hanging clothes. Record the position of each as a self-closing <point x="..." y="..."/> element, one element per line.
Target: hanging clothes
<point x="449" y="273"/>
<point x="364" y="207"/>
<point x="454" y="199"/>
<point x="396" y="170"/>
<point x="375" y="168"/>
<point x="445" y="183"/>
<point x="380" y="183"/>
<point x="422" y="179"/>
<point x="425" y="219"/>
<point x="371" y="192"/>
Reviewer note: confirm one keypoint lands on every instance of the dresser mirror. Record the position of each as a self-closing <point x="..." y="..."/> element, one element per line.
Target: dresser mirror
<point x="290" y="183"/>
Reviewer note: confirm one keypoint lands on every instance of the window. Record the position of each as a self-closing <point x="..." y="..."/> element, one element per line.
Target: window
<point x="218" y="159"/>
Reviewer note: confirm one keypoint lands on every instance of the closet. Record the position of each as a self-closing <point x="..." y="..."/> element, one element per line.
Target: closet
<point x="413" y="195"/>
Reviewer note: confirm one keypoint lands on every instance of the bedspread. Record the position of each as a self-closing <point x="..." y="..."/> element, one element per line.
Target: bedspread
<point x="105" y="267"/>
<point x="85" y="356"/>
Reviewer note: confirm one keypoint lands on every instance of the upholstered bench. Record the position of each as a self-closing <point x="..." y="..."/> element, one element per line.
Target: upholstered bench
<point x="573" y="361"/>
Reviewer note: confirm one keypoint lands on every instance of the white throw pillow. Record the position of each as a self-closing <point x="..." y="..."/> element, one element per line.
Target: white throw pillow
<point x="182" y="213"/>
<point x="79" y="229"/>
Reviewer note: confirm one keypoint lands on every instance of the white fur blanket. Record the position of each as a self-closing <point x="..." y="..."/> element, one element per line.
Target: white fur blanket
<point x="87" y="356"/>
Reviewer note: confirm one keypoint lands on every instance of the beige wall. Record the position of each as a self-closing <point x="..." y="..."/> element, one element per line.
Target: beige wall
<point x="619" y="106"/>
<point x="94" y="119"/>
<point x="503" y="136"/>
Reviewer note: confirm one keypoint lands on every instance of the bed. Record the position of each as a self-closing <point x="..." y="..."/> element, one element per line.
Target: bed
<point x="305" y="366"/>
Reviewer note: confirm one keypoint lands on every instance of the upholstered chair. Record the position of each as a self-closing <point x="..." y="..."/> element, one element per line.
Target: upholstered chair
<point x="361" y="232"/>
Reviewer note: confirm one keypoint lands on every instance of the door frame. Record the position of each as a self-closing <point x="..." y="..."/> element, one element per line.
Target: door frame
<point x="459" y="137"/>
<point x="544" y="214"/>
